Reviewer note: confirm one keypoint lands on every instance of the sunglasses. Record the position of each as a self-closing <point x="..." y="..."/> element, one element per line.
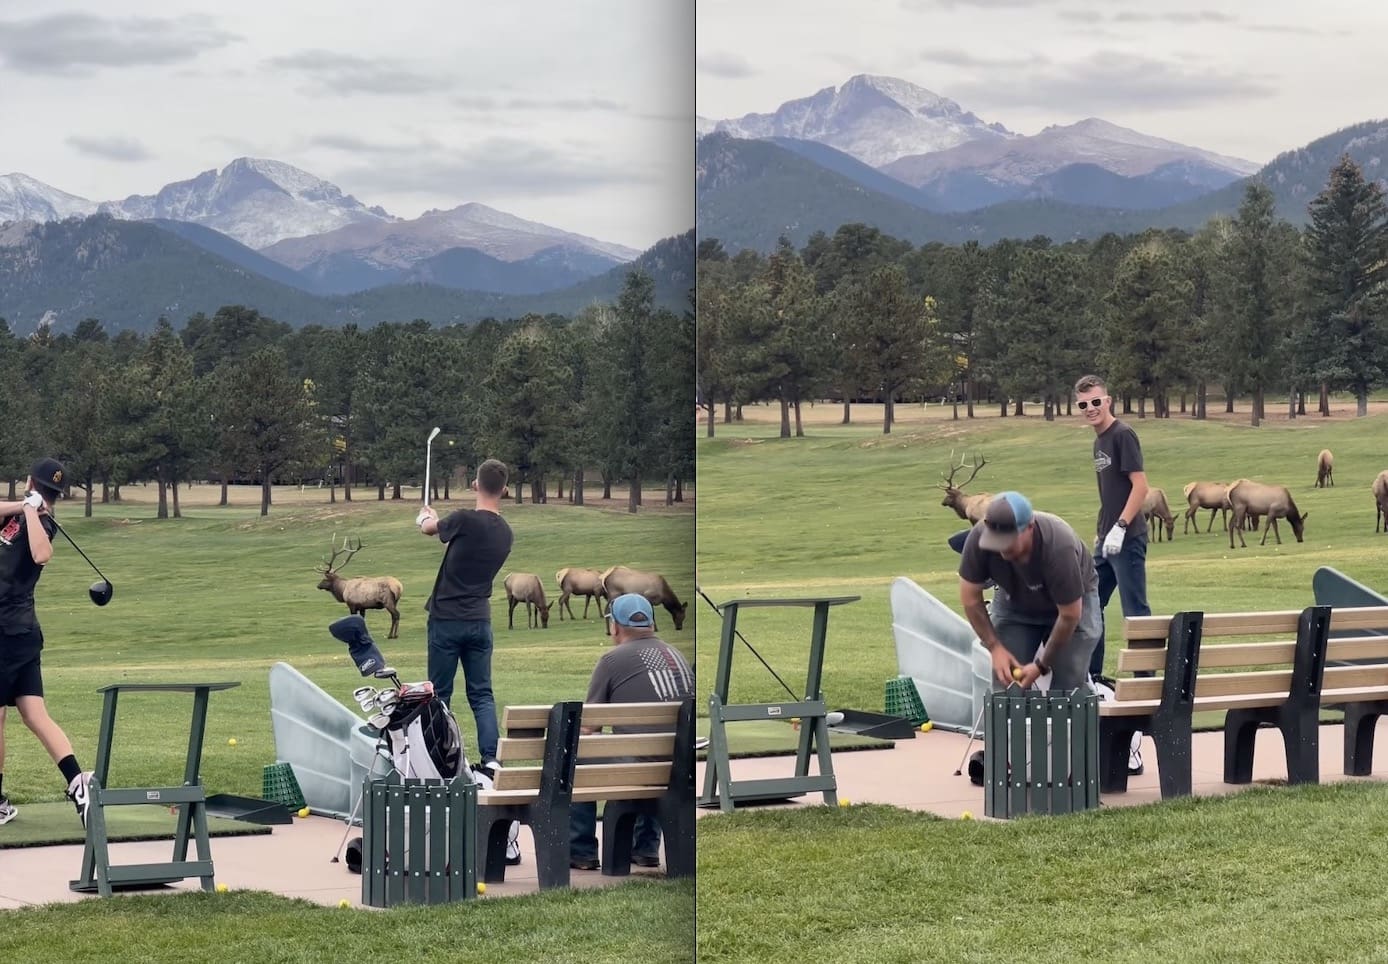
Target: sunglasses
<point x="1097" y="403"/>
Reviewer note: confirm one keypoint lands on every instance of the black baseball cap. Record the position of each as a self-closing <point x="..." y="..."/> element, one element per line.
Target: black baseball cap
<point x="48" y="474"/>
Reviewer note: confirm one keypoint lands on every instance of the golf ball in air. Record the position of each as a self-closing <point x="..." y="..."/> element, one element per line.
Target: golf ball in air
<point x="231" y="742"/>
<point x="303" y="811"/>
<point x="222" y="888"/>
<point x="344" y="902"/>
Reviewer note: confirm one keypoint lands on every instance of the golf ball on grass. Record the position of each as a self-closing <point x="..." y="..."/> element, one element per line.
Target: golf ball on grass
<point x="222" y="888"/>
<point x="344" y="902"/>
<point x="966" y="815"/>
<point x="845" y="802"/>
<point x="231" y="742"/>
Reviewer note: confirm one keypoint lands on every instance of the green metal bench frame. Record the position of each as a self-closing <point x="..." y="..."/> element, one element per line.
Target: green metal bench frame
<point x="814" y="728"/>
<point x="97" y="872"/>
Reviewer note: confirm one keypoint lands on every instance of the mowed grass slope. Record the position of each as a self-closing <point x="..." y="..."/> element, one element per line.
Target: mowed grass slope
<point x="846" y="510"/>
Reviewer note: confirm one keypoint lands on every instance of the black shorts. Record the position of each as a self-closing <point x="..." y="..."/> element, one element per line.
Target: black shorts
<point x="20" y="672"/>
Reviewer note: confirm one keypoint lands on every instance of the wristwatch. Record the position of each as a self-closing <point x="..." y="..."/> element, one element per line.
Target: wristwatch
<point x="1120" y="523"/>
<point x="1040" y="665"/>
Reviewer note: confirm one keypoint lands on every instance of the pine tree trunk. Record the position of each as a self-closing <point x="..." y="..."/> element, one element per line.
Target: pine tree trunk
<point x="670" y="489"/>
<point x="634" y="494"/>
<point x="799" y="423"/>
<point x="845" y="419"/>
<point x="163" y="512"/>
<point x="176" y="513"/>
<point x="785" y="417"/>
<point x="265" y="494"/>
<point x="87" y="510"/>
<point x="1291" y="405"/>
<point x="576" y="490"/>
<point x="679" y="489"/>
<point x="710" y="419"/>
<point x="1325" y="400"/>
<point x="1361" y="407"/>
<point x="887" y="415"/>
<point x="606" y="486"/>
<point x="380" y="491"/>
<point x="1020" y="409"/>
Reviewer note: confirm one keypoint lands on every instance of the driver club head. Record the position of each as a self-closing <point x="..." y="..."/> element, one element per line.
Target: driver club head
<point x="101" y="592"/>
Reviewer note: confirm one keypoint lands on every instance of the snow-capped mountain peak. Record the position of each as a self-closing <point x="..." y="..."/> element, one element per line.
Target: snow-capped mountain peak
<point x="875" y="119"/>
<point x="23" y="198"/>
<point x="254" y="200"/>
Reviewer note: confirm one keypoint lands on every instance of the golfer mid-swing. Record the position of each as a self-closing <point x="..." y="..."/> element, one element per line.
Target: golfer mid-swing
<point x="26" y="531"/>
<point x="1045" y="612"/>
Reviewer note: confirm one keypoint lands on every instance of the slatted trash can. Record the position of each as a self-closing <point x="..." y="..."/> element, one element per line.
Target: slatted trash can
<point x="278" y="783"/>
<point x="417" y="841"/>
<point x="1040" y="752"/>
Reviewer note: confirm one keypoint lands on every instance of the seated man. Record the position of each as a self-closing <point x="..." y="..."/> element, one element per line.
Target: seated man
<point x="640" y="668"/>
<point x="1045" y="613"/>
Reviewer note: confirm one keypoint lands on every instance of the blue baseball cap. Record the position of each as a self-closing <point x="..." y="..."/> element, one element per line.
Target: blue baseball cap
<point x="1008" y="514"/>
<point x="634" y="610"/>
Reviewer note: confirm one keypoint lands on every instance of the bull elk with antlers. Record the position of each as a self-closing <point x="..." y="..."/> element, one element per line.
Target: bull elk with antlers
<point x="364" y="592"/>
<point x="1273" y="501"/>
<point x="970" y="507"/>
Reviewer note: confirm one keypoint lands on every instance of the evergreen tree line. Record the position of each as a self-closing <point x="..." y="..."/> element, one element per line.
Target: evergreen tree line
<point x="1249" y="305"/>
<point x="239" y="397"/>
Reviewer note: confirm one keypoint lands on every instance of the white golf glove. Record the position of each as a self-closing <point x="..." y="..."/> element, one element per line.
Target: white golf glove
<point x="420" y="517"/>
<point x="1113" y="542"/>
<point x="34" y="499"/>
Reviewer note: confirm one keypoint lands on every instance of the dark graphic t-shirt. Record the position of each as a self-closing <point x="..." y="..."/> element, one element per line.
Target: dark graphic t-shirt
<point x="1117" y="453"/>
<point x="641" y="671"/>
<point x="478" y="544"/>
<point x="1059" y="571"/>
<point x="18" y="575"/>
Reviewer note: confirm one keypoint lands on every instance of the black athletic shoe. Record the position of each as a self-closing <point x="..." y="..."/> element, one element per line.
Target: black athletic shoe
<point x="645" y="860"/>
<point x="584" y="863"/>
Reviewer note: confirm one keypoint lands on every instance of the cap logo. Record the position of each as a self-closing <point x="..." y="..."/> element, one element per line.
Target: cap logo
<point x="58" y="476"/>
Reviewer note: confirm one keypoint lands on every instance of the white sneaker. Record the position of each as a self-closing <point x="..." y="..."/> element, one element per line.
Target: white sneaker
<point x="79" y="793"/>
<point x="1135" y="762"/>
<point x="8" y="811"/>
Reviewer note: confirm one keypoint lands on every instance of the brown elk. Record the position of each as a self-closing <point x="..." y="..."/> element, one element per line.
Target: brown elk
<point x="578" y="582"/>
<point x="364" y="592"/>
<point x="1273" y="501"/>
<point x="1205" y="495"/>
<point x="970" y="507"/>
<point x="619" y="580"/>
<point x="1325" y="469"/>
<point x="1381" y="500"/>
<point x="525" y="587"/>
<point x="1157" y="512"/>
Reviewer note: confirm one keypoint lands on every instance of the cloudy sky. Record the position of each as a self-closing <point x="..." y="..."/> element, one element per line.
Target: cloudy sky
<point x="1248" y="80"/>
<point x="577" y="115"/>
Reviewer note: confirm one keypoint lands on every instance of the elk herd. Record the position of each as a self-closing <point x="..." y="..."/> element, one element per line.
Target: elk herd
<point x="1241" y="504"/>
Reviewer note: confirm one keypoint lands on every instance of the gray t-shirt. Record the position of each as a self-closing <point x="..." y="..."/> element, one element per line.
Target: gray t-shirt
<point x="1117" y="453"/>
<point x="641" y="671"/>
<point x="1060" y="569"/>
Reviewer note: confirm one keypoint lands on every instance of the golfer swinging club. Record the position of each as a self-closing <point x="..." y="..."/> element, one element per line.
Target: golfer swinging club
<point x="26" y="532"/>
<point x="1045" y="611"/>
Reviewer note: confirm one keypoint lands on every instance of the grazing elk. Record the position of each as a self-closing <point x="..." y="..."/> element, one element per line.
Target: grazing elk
<point x="1381" y="500"/>
<point x="364" y="592"/>
<point x="1273" y="501"/>
<point x="619" y="580"/>
<point x="970" y="507"/>
<point x="1205" y="495"/>
<point x="578" y="582"/>
<point x="1157" y="512"/>
<point x="525" y="587"/>
<point x="1325" y="469"/>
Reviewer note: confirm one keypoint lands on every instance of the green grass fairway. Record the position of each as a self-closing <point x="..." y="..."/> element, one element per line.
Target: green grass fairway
<point x="223" y="594"/>
<point x="847" y="509"/>
<point x="40" y="824"/>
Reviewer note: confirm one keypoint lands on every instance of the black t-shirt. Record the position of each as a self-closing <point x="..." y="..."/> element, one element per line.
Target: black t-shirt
<point x="478" y="543"/>
<point x="1059" y="571"/>
<point x="19" y="574"/>
<point x="1117" y="453"/>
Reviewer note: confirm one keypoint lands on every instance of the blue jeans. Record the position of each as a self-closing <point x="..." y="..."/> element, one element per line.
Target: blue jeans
<point x="468" y="641"/>
<point x="1126" y="571"/>
<point x="583" y="834"/>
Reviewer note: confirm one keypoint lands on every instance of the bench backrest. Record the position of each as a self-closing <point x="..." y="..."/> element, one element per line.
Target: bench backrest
<point x="603" y="760"/>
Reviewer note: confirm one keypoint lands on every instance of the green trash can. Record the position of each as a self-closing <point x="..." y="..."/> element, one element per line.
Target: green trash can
<point x="904" y="700"/>
<point x="418" y="841"/>
<point x="278" y="783"/>
<point x="1040" y="752"/>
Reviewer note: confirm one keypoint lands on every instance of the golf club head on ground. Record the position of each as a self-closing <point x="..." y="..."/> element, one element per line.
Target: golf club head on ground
<point x="101" y="592"/>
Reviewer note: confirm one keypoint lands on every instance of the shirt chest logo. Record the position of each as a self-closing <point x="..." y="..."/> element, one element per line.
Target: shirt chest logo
<point x="11" y="530"/>
<point x="1102" y="461"/>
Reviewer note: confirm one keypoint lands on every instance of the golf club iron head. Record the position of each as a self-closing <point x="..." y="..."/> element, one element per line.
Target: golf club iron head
<point x="101" y="592"/>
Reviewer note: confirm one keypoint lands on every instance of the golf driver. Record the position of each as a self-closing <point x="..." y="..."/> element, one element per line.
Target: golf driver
<point x="428" y="459"/>
<point x="100" y="592"/>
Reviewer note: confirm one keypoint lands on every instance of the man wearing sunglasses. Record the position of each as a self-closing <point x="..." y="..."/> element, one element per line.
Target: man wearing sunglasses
<point x="1045" y="612"/>
<point x="1120" y="553"/>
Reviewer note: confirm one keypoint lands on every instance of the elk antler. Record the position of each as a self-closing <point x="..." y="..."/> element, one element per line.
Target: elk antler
<point x="332" y="565"/>
<point x="979" y="463"/>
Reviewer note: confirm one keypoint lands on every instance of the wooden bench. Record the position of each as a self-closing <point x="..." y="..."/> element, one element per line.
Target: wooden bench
<point x="1281" y="682"/>
<point x="634" y="773"/>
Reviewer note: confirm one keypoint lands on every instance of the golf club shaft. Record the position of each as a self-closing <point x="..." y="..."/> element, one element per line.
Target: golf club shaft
<point x="78" y="548"/>
<point x="972" y="734"/>
<point x="428" y="461"/>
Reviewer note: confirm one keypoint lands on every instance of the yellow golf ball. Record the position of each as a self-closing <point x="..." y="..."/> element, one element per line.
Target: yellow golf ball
<point x="481" y="887"/>
<point x="845" y="802"/>
<point x="927" y="726"/>
<point x="222" y="888"/>
<point x="966" y="815"/>
<point x="344" y="902"/>
<point x="231" y="742"/>
<point x="1017" y="672"/>
<point x="303" y="811"/>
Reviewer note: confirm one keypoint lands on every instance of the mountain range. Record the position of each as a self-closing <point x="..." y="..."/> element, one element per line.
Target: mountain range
<point x="326" y="242"/>
<point x="845" y="156"/>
